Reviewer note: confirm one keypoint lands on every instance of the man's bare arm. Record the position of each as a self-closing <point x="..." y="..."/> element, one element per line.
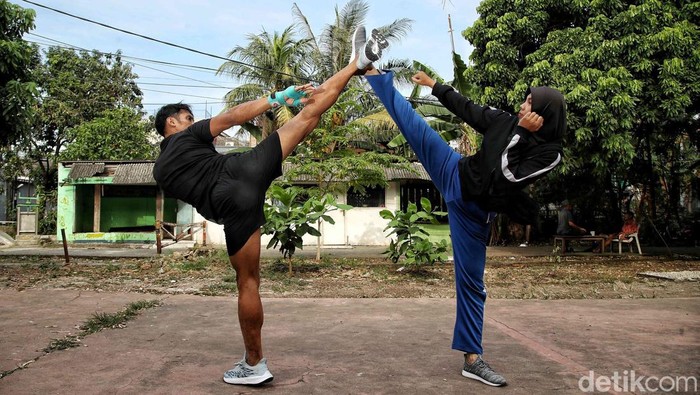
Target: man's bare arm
<point x="245" y="112"/>
<point x="238" y="115"/>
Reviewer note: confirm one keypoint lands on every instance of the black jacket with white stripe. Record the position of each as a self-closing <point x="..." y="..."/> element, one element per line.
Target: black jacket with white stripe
<point x="511" y="157"/>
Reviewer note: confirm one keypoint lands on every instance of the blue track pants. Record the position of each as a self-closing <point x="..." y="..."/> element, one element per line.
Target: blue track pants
<point x="468" y="222"/>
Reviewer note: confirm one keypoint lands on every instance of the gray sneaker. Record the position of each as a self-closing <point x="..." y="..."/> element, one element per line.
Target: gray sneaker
<point x="242" y="373"/>
<point x="372" y="50"/>
<point x="481" y="371"/>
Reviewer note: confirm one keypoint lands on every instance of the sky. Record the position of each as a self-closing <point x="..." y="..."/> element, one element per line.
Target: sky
<point x="217" y="26"/>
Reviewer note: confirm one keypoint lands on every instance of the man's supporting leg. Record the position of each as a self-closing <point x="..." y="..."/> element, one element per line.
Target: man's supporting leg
<point x="294" y="131"/>
<point x="246" y="263"/>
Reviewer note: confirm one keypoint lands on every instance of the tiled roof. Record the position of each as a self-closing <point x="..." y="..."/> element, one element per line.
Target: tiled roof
<point x="134" y="173"/>
<point x="391" y="174"/>
<point x="123" y="173"/>
<point x="83" y="170"/>
<point x="141" y="173"/>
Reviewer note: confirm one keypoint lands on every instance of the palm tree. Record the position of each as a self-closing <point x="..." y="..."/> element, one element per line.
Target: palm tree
<point x="449" y="126"/>
<point x="266" y="64"/>
<point x="331" y="50"/>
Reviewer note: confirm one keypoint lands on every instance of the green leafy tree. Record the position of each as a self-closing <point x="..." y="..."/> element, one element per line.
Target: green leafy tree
<point x="412" y="241"/>
<point x="77" y="87"/>
<point x="120" y="134"/>
<point x="17" y="57"/>
<point x="289" y="220"/>
<point x="74" y="87"/>
<point x="630" y="71"/>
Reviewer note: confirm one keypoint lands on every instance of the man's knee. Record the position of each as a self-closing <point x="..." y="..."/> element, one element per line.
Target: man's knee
<point x="307" y="119"/>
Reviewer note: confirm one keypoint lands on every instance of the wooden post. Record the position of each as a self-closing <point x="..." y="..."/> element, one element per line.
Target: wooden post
<point x="204" y="233"/>
<point x="97" y="208"/>
<point x="159" y="247"/>
<point x="65" y="246"/>
<point x="160" y="202"/>
<point x="159" y="219"/>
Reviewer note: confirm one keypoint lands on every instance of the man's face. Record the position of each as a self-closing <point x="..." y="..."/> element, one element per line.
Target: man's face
<point x="182" y="120"/>
<point x="526" y="107"/>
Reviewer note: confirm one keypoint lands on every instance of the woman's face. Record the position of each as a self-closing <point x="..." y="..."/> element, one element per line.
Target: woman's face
<point x="526" y="107"/>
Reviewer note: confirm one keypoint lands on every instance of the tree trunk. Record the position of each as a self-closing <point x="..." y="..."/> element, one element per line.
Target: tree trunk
<point x="318" y="242"/>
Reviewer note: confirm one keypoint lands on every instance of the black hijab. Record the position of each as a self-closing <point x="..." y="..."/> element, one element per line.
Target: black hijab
<point x="549" y="103"/>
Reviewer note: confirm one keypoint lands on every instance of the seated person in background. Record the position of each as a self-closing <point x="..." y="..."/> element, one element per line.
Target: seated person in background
<point x="526" y="242"/>
<point x="628" y="227"/>
<point x="566" y="225"/>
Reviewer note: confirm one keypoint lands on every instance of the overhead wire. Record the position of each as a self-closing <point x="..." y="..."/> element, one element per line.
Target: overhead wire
<point x="167" y="42"/>
<point x="217" y="100"/>
<point x="75" y="47"/>
<point x="414" y="100"/>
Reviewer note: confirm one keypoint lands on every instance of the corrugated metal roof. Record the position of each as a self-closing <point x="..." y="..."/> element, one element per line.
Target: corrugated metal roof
<point x="83" y="170"/>
<point x="141" y="173"/>
<point x="391" y="174"/>
<point x="134" y="173"/>
<point x="403" y="174"/>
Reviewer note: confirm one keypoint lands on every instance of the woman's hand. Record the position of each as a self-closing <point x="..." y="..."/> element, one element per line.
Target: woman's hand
<point x="421" y="78"/>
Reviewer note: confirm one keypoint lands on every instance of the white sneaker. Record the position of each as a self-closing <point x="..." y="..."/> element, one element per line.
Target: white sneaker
<point x="523" y="244"/>
<point x="245" y="374"/>
<point x="372" y="49"/>
<point x="359" y="39"/>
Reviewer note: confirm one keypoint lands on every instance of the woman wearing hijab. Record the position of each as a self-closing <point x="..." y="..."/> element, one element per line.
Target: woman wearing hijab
<point x="515" y="151"/>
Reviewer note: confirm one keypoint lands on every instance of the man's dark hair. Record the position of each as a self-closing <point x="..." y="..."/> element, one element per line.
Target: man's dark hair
<point x="630" y="214"/>
<point x="166" y="111"/>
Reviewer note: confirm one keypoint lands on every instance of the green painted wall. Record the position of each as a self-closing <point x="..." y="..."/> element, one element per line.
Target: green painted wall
<point x="84" y="203"/>
<point x="75" y="213"/>
<point x="65" y="205"/>
<point x="170" y="210"/>
<point x="127" y="211"/>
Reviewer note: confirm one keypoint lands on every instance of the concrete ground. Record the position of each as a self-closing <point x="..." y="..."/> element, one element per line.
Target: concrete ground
<point x="340" y="346"/>
<point x="343" y="346"/>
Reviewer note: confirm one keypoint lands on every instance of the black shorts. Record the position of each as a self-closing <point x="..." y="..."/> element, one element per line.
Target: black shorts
<point x="239" y="193"/>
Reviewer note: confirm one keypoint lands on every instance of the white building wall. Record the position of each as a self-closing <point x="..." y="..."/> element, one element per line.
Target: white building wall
<point x="365" y="226"/>
<point x="215" y="232"/>
<point x="357" y="226"/>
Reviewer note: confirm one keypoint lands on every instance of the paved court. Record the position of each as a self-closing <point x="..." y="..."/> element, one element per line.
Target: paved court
<point x="340" y="346"/>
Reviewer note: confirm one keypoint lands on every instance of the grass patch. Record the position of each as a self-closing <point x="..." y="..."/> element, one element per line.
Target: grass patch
<point x="67" y="342"/>
<point x="219" y="289"/>
<point x="49" y="266"/>
<point x="197" y="265"/>
<point x="110" y="268"/>
<point x="96" y="323"/>
<point x="100" y="321"/>
<point x="230" y="278"/>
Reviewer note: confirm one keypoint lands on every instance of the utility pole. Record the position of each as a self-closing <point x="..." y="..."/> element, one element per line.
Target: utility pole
<point x="449" y="23"/>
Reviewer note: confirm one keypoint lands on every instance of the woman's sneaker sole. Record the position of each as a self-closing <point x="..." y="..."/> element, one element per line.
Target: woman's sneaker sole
<point x="255" y="380"/>
<point x="475" y="377"/>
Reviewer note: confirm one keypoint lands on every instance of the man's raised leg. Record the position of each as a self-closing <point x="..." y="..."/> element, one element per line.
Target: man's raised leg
<point x="294" y="131"/>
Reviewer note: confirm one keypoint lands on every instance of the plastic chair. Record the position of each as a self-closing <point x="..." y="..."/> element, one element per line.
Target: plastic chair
<point x="634" y="237"/>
